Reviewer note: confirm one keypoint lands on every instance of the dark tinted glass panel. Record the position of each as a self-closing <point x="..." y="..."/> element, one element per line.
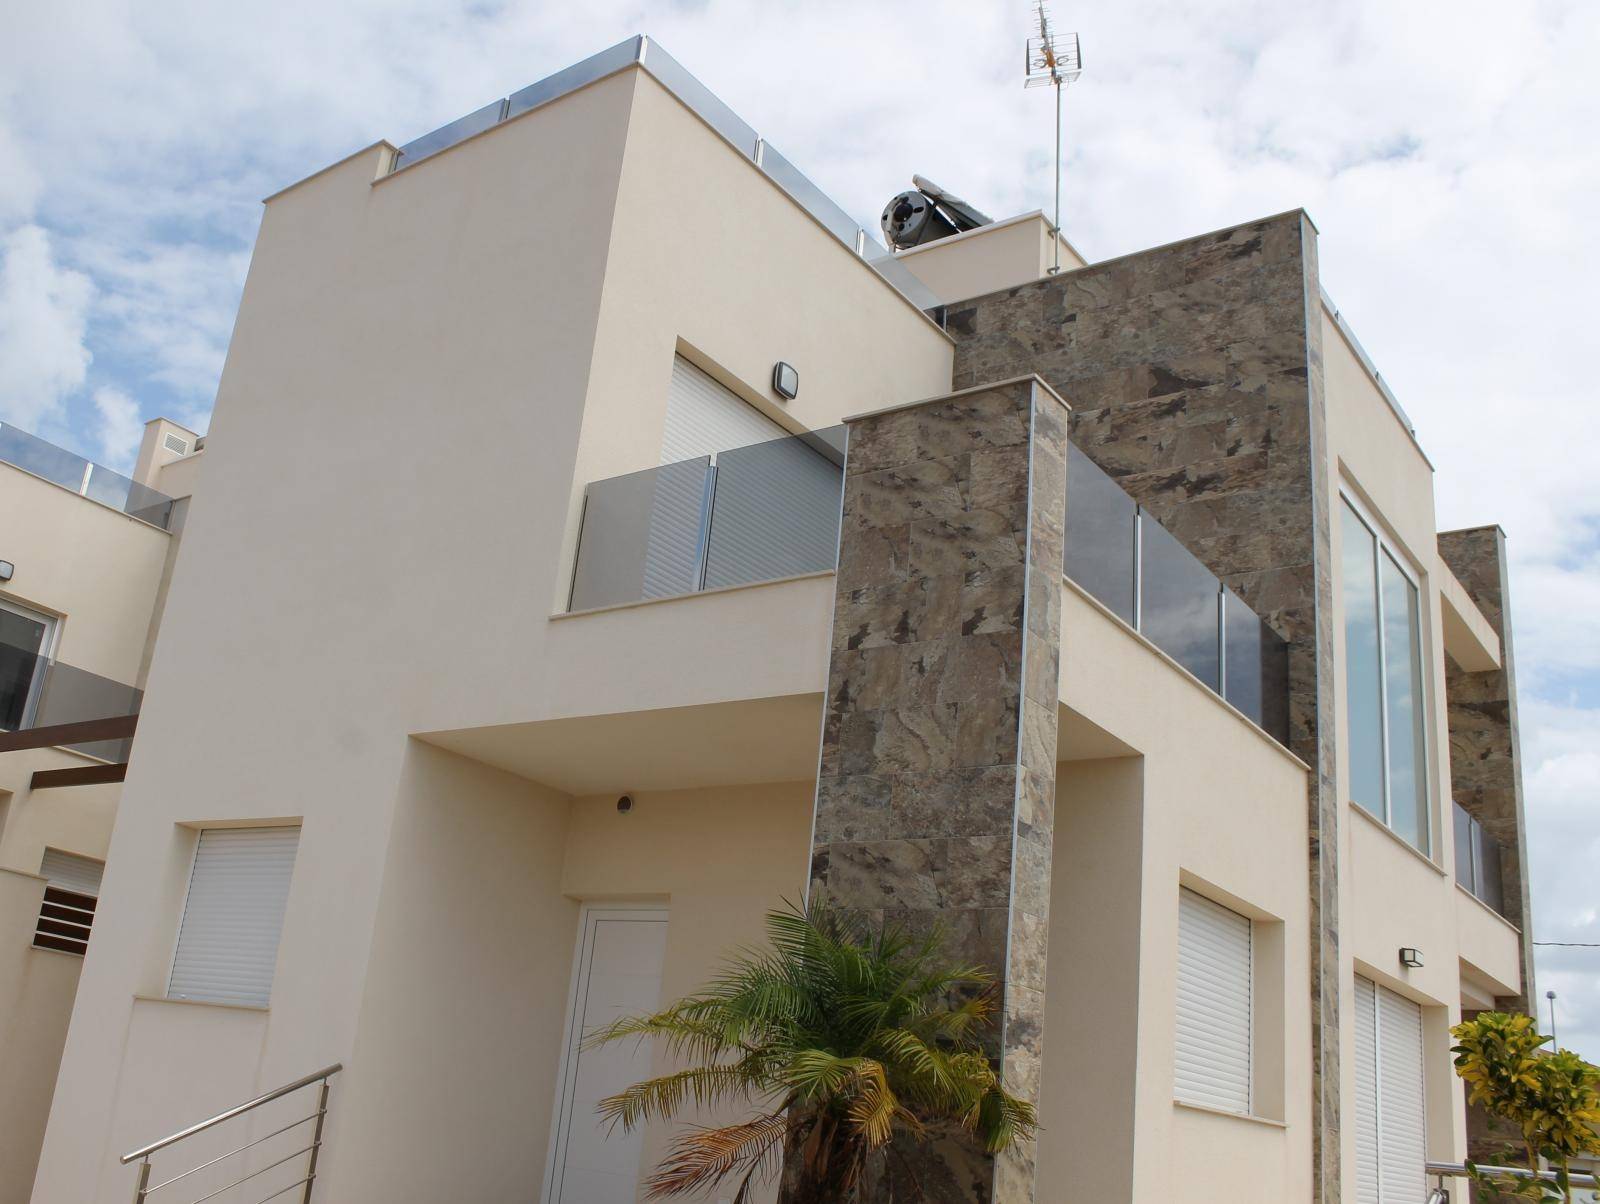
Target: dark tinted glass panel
<point x="1465" y="850"/>
<point x="1178" y="607"/>
<point x="447" y="136"/>
<point x="641" y="535"/>
<point x="1257" y="678"/>
<point x="1490" y="887"/>
<point x="1363" y="685"/>
<point x="1101" y="520"/>
<point x="775" y="513"/>
<point x="72" y="695"/>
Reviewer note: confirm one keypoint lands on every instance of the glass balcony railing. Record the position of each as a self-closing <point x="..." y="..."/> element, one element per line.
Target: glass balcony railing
<point x="1478" y="861"/>
<point x="771" y="510"/>
<point x="757" y="513"/>
<point x="1139" y="571"/>
<point x="93" y="481"/>
<point x="38" y="691"/>
<point x="706" y="105"/>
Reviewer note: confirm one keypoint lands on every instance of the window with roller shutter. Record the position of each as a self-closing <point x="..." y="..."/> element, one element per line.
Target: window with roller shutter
<point x="233" y="916"/>
<point x="1213" y="1055"/>
<point x="1390" y="1115"/>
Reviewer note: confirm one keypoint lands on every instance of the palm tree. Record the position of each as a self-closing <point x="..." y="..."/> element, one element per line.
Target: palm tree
<point x="846" y="1042"/>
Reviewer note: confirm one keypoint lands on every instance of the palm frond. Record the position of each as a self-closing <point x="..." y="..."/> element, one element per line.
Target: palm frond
<point x="661" y="1098"/>
<point x="702" y="1157"/>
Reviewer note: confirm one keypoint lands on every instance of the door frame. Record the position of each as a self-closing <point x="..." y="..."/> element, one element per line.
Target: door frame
<point x="589" y="918"/>
<point x="47" y="652"/>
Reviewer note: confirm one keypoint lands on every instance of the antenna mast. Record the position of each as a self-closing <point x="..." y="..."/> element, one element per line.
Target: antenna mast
<point x="1056" y="60"/>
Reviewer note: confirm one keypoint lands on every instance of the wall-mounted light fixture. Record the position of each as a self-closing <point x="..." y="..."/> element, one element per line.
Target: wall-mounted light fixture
<point x="1411" y="958"/>
<point x="625" y="804"/>
<point x="785" y="380"/>
<point x="6" y="570"/>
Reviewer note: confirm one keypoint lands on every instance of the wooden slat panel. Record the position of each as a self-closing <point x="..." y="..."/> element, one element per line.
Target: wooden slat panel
<point x="118" y="727"/>
<point x="87" y="775"/>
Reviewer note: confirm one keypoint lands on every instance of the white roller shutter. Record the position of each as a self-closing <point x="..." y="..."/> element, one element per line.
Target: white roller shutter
<point x="1390" y="1111"/>
<point x="69" y="872"/>
<point x="1402" y="1137"/>
<point x="1213" y="1035"/>
<point x="228" y="943"/>
<point x="1364" y="1116"/>
<point x="704" y="418"/>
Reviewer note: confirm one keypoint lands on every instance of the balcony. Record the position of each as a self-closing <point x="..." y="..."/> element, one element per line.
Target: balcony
<point x="45" y="702"/>
<point x="771" y="510"/>
<point x="1478" y="862"/>
<point x="84" y="477"/>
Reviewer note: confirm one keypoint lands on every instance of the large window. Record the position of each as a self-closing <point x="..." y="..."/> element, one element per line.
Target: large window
<point x="1384" y="710"/>
<point x="228" y="943"/>
<point x="1213" y="1052"/>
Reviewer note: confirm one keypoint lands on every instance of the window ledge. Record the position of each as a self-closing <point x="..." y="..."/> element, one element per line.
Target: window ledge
<point x="699" y="593"/>
<point x="1248" y="1117"/>
<point x="201" y="1003"/>
<point x="1389" y="833"/>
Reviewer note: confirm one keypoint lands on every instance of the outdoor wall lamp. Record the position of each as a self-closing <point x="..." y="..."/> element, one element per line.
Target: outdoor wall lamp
<point x="785" y="380"/>
<point x="625" y="804"/>
<point x="6" y="569"/>
<point x="1412" y="958"/>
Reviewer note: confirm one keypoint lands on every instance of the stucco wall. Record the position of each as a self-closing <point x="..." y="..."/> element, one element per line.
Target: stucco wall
<point x="992" y="257"/>
<point x="413" y="401"/>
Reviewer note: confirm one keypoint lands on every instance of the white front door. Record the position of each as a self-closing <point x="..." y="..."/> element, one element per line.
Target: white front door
<point x="618" y="973"/>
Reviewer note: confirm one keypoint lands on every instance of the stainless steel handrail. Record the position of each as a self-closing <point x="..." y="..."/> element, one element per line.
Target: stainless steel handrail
<point x="143" y="1190"/>
<point x="1459" y="1171"/>
<point x="279" y="1093"/>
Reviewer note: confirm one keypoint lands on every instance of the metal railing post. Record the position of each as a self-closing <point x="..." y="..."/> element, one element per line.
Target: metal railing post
<point x="316" y="1141"/>
<point x="143" y="1188"/>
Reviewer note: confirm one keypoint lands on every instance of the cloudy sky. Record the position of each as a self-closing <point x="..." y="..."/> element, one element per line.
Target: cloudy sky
<point x="1446" y="151"/>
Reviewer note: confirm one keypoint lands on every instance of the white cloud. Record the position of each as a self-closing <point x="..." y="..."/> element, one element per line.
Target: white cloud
<point x="43" y="317"/>
<point x="120" y="427"/>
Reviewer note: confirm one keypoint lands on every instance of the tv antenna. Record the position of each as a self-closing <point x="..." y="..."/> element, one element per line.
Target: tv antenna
<point x="1052" y="60"/>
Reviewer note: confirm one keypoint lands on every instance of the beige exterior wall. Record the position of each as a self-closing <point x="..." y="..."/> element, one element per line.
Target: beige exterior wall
<point x="375" y="315"/>
<point x="95" y="567"/>
<point x="1391" y="895"/>
<point x="993" y="257"/>
<point x="100" y="573"/>
<point x="1210" y="803"/>
<point x="155" y="455"/>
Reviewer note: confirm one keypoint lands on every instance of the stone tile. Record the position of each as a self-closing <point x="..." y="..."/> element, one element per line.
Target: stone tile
<point x="894" y="497"/>
<point x="935" y="809"/>
<point x="970" y="542"/>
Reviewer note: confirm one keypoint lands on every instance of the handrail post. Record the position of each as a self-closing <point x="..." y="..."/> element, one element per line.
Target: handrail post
<point x="316" y="1141"/>
<point x="143" y="1188"/>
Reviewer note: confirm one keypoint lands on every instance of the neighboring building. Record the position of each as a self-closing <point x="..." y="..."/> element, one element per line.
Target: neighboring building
<point x="85" y="557"/>
<point x="525" y="661"/>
